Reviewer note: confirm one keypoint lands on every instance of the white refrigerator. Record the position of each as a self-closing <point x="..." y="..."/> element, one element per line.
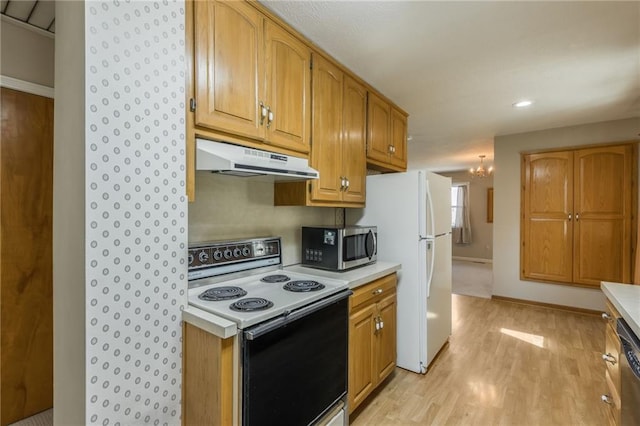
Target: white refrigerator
<point x="412" y="211"/>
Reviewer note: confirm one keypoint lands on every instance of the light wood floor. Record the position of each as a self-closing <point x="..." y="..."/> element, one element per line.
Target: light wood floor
<point x="506" y="364"/>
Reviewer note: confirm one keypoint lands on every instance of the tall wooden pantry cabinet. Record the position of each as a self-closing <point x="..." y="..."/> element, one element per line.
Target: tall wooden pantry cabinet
<point x="578" y="215"/>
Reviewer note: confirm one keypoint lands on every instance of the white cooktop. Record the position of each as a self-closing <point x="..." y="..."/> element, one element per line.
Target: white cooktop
<point x="282" y="300"/>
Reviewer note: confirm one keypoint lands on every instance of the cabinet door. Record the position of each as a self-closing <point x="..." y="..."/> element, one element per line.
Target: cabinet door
<point x="326" y="152"/>
<point x="288" y="89"/>
<point x="399" y="138"/>
<point x="228" y="67"/>
<point x="378" y="127"/>
<point x="362" y="377"/>
<point x="547" y="237"/>
<point x="602" y="205"/>
<point x="354" y="134"/>
<point x="386" y="339"/>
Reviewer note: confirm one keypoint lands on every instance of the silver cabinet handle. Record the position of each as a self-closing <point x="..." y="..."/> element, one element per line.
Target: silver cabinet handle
<point x="577" y="217"/>
<point x="606" y="316"/>
<point x="606" y="399"/>
<point x="570" y="216"/>
<point x="377" y="320"/>
<point x="269" y="117"/>
<point x="381" y="322"/>
<point x="263" y="113"/>
<point x="390" y="149"/>
<point x="348" y="183"/>
<point x="609" y="358"/>
<point x="378" y="291"/>
<point x="393" y="149"/>
<point x="342" y="183"/>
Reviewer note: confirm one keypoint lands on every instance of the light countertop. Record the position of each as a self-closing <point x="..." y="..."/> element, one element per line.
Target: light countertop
<point x="626" y="299"/>
<point x="354" y="277"/>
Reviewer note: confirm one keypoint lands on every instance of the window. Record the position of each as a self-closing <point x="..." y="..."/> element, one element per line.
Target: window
<point x="460" y="223"/>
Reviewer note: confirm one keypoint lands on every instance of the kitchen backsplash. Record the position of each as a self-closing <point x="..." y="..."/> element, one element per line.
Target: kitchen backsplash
<point x="228" y="207"/>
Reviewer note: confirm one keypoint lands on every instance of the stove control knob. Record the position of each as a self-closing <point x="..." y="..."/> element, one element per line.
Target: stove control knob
<point x="237" y="252"/>
<point x="217" y="255"/>
<point x="246" y="252"/>
<point x="190" y="259"/>
<point x="203" y="256"/>
<point x="227" y="254"/>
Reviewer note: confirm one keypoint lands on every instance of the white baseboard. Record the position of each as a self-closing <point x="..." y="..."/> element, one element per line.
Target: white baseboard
<point x="472" y="259"/>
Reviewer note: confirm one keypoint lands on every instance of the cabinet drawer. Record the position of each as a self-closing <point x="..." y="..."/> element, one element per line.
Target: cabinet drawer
<point x="373" y="291"/>
<point x="615" y="404"/>
<point x="612" y="348"/>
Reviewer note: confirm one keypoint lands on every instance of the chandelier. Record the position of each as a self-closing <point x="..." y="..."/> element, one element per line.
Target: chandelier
<point x="481" y="171"/>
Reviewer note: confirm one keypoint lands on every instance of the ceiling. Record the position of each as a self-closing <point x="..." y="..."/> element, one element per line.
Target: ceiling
<point x="457" y="67"/>
<point x="40" y="13"/>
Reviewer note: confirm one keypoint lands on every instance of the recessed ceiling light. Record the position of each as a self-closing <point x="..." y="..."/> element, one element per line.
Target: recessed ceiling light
<point x="522" y="104"/>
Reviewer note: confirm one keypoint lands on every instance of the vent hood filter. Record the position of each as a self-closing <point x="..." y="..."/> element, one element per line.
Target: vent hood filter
<point x="238" y="160"/>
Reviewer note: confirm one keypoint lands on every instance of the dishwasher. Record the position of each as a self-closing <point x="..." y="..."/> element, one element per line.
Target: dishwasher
<point x="629" y="374"/>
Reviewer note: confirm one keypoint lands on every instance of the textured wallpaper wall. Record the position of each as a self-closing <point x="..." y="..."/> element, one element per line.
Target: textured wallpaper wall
<point x="135" y="210"/>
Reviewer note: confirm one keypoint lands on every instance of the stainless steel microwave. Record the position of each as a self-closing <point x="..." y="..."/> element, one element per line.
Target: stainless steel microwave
<point x="339" y="249"/>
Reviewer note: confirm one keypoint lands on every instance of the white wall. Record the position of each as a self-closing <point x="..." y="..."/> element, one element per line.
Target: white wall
<point x="228" y="207"/>
<point x="26" y="55"/>
<point x="506" y="229"/>
<point x="120" y="212"/>
<point x="481" y="246"/>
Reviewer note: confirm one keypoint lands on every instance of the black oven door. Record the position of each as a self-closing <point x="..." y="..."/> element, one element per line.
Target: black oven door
<point x="294" y="369"/>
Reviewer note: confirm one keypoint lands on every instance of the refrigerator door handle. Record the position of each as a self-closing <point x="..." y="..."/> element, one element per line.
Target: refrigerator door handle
<point x="433" y="256"/>
<point x="432" y="231"/>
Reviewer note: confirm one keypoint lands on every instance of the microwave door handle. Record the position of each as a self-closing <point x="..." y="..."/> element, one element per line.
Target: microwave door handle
<point x="373" y="246"/>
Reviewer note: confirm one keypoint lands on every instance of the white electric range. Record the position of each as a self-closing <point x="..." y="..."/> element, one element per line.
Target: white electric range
<point x="292" y="330"/>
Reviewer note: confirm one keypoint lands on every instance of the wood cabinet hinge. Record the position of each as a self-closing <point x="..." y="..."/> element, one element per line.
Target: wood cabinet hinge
<point x="192" y="105"/>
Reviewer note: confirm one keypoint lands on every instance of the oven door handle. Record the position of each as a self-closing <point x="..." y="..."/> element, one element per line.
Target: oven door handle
<point x="268" y="326"/>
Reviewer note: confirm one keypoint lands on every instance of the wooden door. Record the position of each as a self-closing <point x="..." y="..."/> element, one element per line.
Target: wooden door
<point x="26" y="307"/>
<point x="354" y="134"/>
<point x="229" y="67"/>
<point x="378" y="128"/>
<point x="326" y="152"/>
<point x="362" y="377"/>
<point x="602" y="205"/>
<point x="386" y="341"/>
<point x="399" y="139"/>
<point x="288" y="89"/>
<point x="547" y="216"/>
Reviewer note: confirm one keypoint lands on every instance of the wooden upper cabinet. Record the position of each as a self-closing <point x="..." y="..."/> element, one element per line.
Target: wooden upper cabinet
<point x="379" y="130"/>
<point x="252" y="77"/>
<point x="326" y="152"/>
<point x="229" y="67"/>
<point x="354" y="135"/>
<point x="547" y="206"/>
<point x="339" y="120"/>
<point x="577" y="218"/>
<point x="386" y="136"/>
<point x="399" y="138"/>
<point x="288" y="91"/>
<point x="602" y="205"/>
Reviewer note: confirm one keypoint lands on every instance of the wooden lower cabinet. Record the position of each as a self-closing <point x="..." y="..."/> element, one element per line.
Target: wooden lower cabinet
<point x="207" y="378"/>
<point x="611" y="358"/>
<point x="372" y="337"/>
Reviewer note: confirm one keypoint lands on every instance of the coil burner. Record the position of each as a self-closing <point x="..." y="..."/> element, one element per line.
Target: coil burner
<point x="251" y="304"/>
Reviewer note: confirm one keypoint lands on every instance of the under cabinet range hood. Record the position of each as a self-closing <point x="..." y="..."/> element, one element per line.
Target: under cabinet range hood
<point x="220" y="157"/>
